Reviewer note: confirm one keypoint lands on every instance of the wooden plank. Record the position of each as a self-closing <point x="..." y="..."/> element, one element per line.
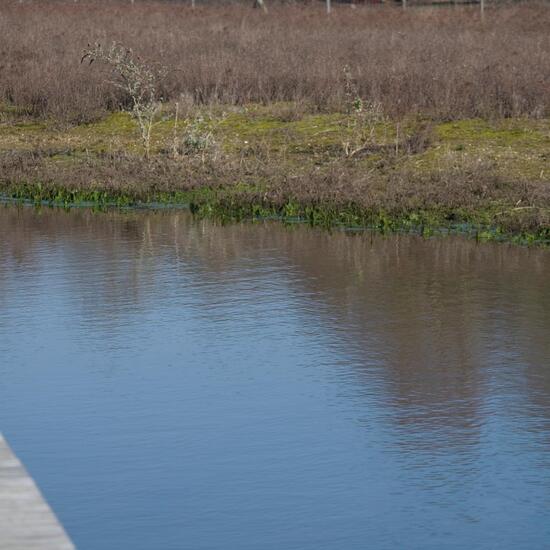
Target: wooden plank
<point x="26" y="520"/>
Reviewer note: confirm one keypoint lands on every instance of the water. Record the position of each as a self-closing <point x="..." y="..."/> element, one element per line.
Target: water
<point x="176" y="384"/>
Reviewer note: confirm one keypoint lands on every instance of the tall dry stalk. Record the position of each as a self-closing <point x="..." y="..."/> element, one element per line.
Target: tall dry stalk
<point x="363" y="118"/>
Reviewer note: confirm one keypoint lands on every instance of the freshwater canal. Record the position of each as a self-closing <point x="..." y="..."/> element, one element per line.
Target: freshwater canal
<point x="172" y="383"/>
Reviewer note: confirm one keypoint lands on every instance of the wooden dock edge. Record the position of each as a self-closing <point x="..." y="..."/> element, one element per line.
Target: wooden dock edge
<point x="26" y="520"/>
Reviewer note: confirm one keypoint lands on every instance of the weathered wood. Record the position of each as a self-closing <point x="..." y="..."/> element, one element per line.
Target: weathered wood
<point x="26" y="520"/>
<point x="260" y="4"/>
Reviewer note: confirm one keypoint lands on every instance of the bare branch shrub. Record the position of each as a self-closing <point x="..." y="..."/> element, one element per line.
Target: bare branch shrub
<point x="137" y="79"/>
<point x="363" y="118"/>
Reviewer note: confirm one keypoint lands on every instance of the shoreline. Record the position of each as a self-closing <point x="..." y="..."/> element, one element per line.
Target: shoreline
<point x="487" y="179"/>
<point x="388" y="227"/>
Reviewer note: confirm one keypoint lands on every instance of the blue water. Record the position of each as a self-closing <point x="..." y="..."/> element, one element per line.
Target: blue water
<point x="175" y="384"/>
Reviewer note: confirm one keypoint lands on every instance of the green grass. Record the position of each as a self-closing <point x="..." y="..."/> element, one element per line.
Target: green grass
<point x="520" y="146"/>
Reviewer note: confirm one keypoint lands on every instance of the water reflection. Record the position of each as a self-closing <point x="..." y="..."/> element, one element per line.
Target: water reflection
<point x="437" y="351"/>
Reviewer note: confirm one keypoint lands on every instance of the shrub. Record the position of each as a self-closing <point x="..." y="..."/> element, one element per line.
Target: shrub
<point x="136" y="79"/>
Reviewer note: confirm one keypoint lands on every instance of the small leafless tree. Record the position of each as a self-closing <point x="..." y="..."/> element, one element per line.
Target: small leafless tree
<point x="363" y="118"/>
<point x="137" y="79"/>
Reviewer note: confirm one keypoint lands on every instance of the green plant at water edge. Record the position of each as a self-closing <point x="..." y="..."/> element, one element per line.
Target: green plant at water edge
<point x="362" y="119"/>
<point x="137" y="79"/>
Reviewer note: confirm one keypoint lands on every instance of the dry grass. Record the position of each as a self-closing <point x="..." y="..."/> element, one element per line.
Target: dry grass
<point x="444" y="63"/>
<point x="466" y="192"/>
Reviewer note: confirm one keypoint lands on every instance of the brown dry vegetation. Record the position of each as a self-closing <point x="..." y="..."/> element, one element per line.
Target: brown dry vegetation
<point x="445" y="63"/>
<point x="460" y="193"/>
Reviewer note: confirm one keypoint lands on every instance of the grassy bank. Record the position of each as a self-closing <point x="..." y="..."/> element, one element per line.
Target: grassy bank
<point x="489" y="178"/>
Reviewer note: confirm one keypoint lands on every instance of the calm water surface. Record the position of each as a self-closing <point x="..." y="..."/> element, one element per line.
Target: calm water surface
<point x="175" y="384"/>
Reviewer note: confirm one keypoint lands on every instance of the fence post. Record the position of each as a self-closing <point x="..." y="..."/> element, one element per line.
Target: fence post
<point x="260" y="4"/>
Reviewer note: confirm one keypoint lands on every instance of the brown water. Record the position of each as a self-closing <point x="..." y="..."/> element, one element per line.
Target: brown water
<point x="173" y="383"/>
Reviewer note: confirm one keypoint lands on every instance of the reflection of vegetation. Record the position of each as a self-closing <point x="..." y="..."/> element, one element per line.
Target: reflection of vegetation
<point x="421" y="310"/>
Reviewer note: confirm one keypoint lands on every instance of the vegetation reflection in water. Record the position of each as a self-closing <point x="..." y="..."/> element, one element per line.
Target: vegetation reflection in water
<point x="265" y="386"/>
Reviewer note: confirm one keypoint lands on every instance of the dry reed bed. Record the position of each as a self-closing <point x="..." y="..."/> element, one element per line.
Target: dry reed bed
<point x="444" y="63"/>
